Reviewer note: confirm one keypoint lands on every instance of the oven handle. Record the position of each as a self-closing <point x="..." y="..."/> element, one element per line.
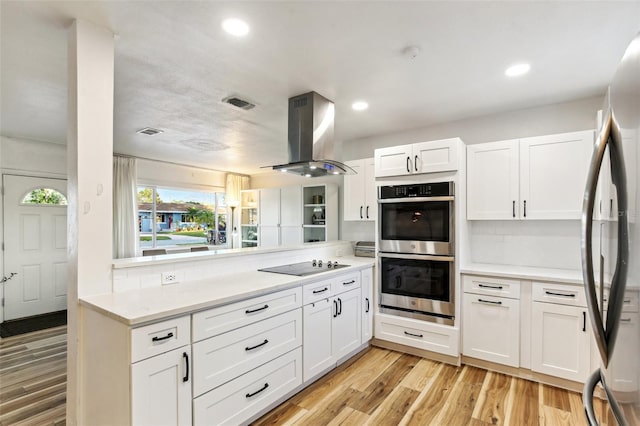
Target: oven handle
<point x="415" y="199"/>
<point x="417" y="256"/>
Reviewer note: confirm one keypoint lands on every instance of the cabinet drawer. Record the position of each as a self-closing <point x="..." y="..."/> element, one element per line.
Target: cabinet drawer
<point x="244" y="397"/>
<point x="227" y="356"/>
<point x="418" y="334"/>
<point x="229" y="317"/>
<point x="313" y="292"/>
<point x="491" y="286"/>
<point x="160" y="337"/>
<point x="346" y="282"/>
<point x="560" y="294"/>
<point x="629" y="302"/>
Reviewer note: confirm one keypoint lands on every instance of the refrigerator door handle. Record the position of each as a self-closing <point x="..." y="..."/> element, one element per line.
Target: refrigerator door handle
<point x="586" y="243"/>
<point x="587" y="397"/>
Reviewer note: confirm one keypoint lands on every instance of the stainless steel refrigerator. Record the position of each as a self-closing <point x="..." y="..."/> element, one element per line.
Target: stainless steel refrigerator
<point x="611" y="246"/>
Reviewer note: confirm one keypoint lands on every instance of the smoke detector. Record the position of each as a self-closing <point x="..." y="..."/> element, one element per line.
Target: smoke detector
<point x="149" y="131"/>
<point x="238" y="103"/>
<point x="411" y="52"/>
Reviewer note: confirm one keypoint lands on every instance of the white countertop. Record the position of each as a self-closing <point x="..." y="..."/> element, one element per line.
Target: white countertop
<point x="566" y="276"/>
<point x="151" y="304"/>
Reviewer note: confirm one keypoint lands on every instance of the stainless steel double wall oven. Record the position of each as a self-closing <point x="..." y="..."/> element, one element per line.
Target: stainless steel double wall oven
<point x="416" y="243"/>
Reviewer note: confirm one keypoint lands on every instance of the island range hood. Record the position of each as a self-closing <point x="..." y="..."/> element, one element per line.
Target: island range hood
<point x="311" y="144"/>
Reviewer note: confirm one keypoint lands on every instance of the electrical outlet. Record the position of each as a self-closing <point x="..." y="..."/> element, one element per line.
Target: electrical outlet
<point x="169" y="278"/>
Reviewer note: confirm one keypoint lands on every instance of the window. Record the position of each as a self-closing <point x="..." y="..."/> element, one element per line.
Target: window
<point x="182" y="217"/>
<point x="45" y="196"/>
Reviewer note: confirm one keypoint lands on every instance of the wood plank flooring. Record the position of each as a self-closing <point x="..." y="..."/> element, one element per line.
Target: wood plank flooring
<point x="384" y="387"/>
<point x="380" y="387"/>
<point x="33" y="378"/>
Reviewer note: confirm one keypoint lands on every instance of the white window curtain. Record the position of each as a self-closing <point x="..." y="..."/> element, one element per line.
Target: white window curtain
<point x="235" y="184"/>
<point x="125" y="208"/>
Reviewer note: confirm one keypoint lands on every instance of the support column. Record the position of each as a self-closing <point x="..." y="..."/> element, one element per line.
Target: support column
<point x="90" y="187"/>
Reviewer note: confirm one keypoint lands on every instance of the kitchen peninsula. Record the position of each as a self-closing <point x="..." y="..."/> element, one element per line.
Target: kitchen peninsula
<point x="230" y="344"/>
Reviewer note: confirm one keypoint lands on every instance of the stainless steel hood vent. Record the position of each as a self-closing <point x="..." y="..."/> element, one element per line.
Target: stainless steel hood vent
<point x="311" y="144"/>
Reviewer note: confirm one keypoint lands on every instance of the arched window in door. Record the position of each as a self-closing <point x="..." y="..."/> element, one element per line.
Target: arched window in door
<point x="44" y="196"/>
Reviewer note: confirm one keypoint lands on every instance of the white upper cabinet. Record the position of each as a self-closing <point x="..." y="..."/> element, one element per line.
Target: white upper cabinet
<point x="360" y="197"/>
<point x="423" y="157"/>
<point x="290" y="215"/>
<point x="533" y="178"/>
<point x="492" y="180"/>
<point x="553" y="174"/>
<point x="276" y="217"/>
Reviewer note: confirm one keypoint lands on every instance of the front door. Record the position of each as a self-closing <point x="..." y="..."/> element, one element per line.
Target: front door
<point x="35" y="245"/>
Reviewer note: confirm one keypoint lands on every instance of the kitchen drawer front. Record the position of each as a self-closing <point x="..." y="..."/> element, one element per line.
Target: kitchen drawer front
<point x="346" y="282"/>
<point x="160" y="337"/>
<point x="491" y="286"/>
<point x="560" y="294"/>
<point x="229" y="317"/>
<point x="313" y="292"/>
<point x="224" y="357"/>
<point x="418" y="334"/>
<point x="629" y="302"/>
<point x="236" y="401"/>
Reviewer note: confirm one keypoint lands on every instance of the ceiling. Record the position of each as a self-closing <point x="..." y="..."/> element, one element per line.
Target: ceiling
<point x="174" y="64"/>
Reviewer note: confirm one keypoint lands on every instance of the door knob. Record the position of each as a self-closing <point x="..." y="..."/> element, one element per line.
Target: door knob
<point x="5" y="279"/>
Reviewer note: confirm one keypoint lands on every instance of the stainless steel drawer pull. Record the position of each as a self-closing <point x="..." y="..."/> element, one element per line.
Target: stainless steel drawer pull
<point x="250" y="348"/>
<point x="320" y="291"/>
<point x="159" y="339"/>
<point x="249" y="395"/>
<point x="413" y="335"/>
<point x="494" y="287"/>
<point x="489" y="301"/>
<point x="251" y="311"/>
<point x="551" y="293"/>
<point x="349" y="282"/>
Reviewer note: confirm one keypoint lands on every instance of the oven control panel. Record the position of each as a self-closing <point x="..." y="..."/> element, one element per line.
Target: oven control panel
<point x="437" y="189"/>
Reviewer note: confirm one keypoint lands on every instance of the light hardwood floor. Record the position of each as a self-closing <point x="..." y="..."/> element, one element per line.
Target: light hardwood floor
<point x="33" y="376"/>
<point x="381" y="387"/>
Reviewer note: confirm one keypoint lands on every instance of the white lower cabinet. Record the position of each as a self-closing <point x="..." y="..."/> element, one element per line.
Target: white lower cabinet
<point x="366" y="289"/>
<point x="161" y="389"/>
<point x="491" y="328"/>
<point x="560" y="341"/>
<point x="419" y="334"/>
<point x="491" y="319"/>
<point x="240" y="399"/>
<point x="332" y="329"/>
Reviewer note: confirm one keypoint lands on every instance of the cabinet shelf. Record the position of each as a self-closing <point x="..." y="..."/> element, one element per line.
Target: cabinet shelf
<point x="315" y="205"/>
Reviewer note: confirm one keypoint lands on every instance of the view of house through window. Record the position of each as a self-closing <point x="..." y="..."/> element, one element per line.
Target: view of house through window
<point x="174" y="217"/>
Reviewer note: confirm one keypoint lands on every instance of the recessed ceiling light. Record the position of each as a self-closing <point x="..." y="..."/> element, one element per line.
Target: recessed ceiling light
<point x="360" y="105"/>
<point x="517" y="69"/>
<point x="235" y="27"/>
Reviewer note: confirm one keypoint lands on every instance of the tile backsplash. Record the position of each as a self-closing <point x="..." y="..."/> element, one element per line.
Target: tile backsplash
<point x="542" y="243"/>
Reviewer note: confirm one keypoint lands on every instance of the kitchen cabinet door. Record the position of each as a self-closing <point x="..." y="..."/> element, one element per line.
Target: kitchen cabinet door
<point x="370" y="190"/>
<point x="354" y="195"/>
<point x="360" y="195"/>
<point x="394" y="161"/>
<point x="366" y="289"/>
<point x="560" y="341"/>
<point x="553" y="172"/>
<point x="491" y="328"/>
<point x="435" y="156"/>
<point x="291" y="215"/>
<point x="346" y="325"/>
<point x="317" y="337"/>
<point x="161" y="389"/>
<point x="270" y="217"/>
<point x="492" y="181"/>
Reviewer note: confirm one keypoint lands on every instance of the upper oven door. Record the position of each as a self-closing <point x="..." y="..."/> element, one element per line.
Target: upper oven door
<point x="416" y="225"/>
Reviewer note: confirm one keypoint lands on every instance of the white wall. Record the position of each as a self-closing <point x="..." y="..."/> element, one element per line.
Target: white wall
<point x="35" y="158"/>
<point x="174" y="175"/>
<point x="544" y="120"/>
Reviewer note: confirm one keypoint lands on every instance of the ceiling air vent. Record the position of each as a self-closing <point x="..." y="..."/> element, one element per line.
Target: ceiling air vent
<point x="150" y="131"/>
<point x="239" y="103"/>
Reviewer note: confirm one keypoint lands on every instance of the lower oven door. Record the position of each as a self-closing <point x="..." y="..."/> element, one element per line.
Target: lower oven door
<point x="420" y="286"/>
